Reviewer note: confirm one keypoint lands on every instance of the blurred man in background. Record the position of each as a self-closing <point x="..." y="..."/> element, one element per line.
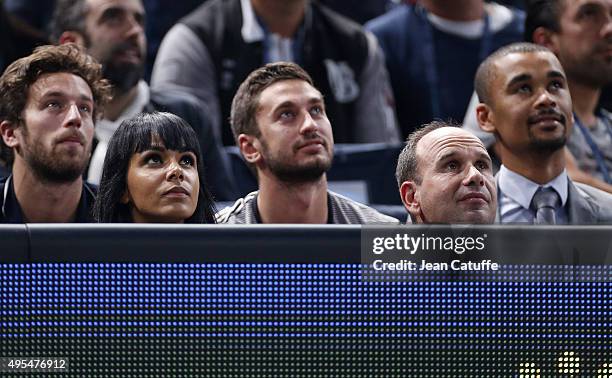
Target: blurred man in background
<point x="112" y="31"/>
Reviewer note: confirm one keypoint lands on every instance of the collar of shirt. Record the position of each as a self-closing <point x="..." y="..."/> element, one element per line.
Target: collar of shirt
<point x="277" y="48"/>
<point x="251" y="30"/>
<point x="255" y="209"/>
<point x="521" y="189"/>
<point x="499" y="15"/>
<point x="106" y="128"/>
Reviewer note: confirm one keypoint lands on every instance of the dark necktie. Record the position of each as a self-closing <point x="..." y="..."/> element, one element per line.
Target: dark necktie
<point x="545" y="201"/>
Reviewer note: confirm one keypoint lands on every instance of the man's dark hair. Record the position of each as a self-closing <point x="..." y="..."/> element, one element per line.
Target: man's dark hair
<point x="542" y="13"/>
<point x="21" y="74"/>
<point x="68" y="15"/>
<point x="246" y="100"/>
<point x="485" y="74"/>
<point x="136" y="135"/>
<point x="407" y="163"/>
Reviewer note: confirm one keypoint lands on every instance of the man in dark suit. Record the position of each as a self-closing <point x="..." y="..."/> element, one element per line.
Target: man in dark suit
<point x="525" y="102"/>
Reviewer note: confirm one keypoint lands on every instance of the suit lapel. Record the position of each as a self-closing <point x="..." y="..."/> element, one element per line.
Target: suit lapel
<point x="580" y="210"/>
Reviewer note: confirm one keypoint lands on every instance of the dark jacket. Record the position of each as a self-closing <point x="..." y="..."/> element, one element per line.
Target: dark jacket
<point x="10" y="210"/>
<point x="327" y="36"/>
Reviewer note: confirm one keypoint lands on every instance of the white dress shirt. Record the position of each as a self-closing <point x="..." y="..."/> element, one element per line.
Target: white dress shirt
<point x="515" y="193"/>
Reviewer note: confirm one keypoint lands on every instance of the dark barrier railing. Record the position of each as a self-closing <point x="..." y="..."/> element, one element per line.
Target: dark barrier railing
<point x="571" y="245"/>
<point x="180" y="243"/>
<point x="235" y="301"/>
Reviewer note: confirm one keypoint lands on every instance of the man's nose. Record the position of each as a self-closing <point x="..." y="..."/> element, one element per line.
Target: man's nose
<point x="309" y="125"/>
<point x="546" y="99"/>
<point x="134" y="27"/>
<point x="474" y="177"/>
<point x="73" y="116"/>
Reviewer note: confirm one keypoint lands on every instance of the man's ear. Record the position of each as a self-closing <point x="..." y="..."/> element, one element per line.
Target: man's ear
<point x="547" y="38"/>
<point x="485" y="118"/>
<point x="71" y="37"/>
<point x="9" y="134"/>
<point x="409" y="192"/>
<point x="249" y="148"/>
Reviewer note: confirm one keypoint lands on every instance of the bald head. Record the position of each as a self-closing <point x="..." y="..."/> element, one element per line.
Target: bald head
<point x="448" y="134"/>
<point x="452" y="179"/>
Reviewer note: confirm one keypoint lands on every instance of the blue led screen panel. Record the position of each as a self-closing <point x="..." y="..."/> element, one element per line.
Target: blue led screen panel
<point x="318" y="318"/>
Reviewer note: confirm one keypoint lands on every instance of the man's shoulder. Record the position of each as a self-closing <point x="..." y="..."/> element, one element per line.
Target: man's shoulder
<point x="173" y="99"/>
<point x="349" y="38"/>
<point x="391" y="22"/>
<point x="518" y="16"/>
<point x="182" y="104"/>
<point x="207" y="9"/>
<point x="348" y="211"/>
<point x="590" y="192"/>
<point x="511" y="22"/>
<point x="599" y="201"/>
<point x="238" y="213"/>
<point x="335" y="19"/>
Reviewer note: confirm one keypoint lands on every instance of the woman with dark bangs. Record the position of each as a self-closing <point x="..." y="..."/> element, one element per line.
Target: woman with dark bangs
<point x="153" y="173"/>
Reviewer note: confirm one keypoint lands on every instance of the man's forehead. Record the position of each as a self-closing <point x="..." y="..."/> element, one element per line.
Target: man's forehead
<point x="569" y="7"/>
<point x="61" y="83"/>
<point x="98" y="6"/>
<point x="526" y="63"/>
<point x="448" y="139"/>
<point x="295" y="91"/>
<point x="288" y="86"/>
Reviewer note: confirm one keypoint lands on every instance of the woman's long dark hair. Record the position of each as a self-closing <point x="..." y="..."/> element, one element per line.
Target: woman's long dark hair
<point x="136" y="135"/>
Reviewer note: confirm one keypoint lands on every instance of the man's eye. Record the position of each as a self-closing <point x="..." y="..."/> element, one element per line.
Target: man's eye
<point x="112" y="16"/>
<point x="85" y="108"/>
<point x="588" y="12"/>
<point x="139" y="18"/>
<point x="53" y="105"/>
<point x="524" y="89"/>
<point x="286" y="114"/>
<point x="482" y="165"/>
<point x="316" y="110"/>
<point x="557" y="84"/>
<point x="452" y="166"/>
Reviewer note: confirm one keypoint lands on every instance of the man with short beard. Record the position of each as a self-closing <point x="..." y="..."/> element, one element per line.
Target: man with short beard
<point x="279" y="122"/>
<point x="112" y="31"/>
<point x="579" y="32"/>
<point x="525" y="102"/>
<point x="50" y="100"/>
